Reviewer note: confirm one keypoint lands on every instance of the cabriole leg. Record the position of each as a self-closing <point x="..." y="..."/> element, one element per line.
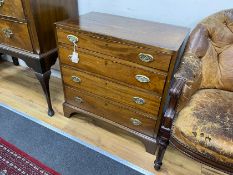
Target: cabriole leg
<point x="44" y="81"/>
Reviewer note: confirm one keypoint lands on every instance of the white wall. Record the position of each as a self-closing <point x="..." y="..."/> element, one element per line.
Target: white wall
<point x="179" y="12"/>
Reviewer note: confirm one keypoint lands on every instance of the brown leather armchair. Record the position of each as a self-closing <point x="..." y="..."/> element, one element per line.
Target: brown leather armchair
<point x="199" y="118"/>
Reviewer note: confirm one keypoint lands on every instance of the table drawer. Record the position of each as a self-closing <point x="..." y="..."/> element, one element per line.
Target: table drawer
<point x="15" y="34"/>
<point x="119" y="49"/>
<point x="12" y="8"/>
<point x="148" y="102"/>
<point x="115" y="68"/>
<point x="110" y="110"/>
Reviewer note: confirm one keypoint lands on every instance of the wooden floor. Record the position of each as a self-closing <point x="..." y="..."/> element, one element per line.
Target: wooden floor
<point x="20" y="90"/>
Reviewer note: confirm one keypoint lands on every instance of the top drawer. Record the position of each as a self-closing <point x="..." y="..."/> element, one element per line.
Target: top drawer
<point x="117" y="48"/>
<point x="12" y="8"/>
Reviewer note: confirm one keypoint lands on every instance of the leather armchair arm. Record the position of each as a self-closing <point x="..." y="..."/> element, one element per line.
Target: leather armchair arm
<point x="190" y="73"/>
<point x="170" y="112"/>
<point x="167" y="120"/>
<point x="187" y="75"/>
<point x="187" y="79"/>
<point x="176" y="89"/>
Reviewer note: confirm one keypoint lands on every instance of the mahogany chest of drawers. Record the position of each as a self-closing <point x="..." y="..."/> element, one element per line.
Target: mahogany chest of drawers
<point x="124" y="70"/>
<point x="27" y="32"/>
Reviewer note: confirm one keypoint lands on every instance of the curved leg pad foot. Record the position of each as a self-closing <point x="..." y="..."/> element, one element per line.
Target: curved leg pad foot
<point x="51" y="112"/>
<point x="44" y="81"/>
<point x="157" y="166"/>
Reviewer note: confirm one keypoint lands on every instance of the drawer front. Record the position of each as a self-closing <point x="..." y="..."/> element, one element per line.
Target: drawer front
<point x="15" y="35"/>
<point x="113" y="68"/>
<point x="110" y="110"/>
<point x="145" y="101"/>
<point x="12" y="8"/>
<point x="118" y="49"/>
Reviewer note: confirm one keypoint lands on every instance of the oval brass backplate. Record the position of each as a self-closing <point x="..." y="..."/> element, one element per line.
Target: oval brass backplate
<point x="1" y="3"/>
<point x="76" y="79"/>
<point x="78" y="100"/>
<point x="139" y="100"/>
<point x="8" y="33"/>
<point x="72" y="38"/>
<point x="146" y="57"/>
<point x="135" y="122"/>
<point x="142" y="78"/>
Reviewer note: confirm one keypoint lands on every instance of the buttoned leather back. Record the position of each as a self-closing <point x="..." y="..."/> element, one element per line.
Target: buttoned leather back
<point x="212" y="42"/>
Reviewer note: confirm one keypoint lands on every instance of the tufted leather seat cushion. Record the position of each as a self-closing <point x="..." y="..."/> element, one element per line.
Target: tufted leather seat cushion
<point x="205" y="124"/>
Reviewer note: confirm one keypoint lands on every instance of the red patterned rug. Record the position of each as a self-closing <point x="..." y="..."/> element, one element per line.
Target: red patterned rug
<point x="14" y="162"/>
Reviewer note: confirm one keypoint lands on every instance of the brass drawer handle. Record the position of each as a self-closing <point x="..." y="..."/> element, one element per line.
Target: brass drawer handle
<point x="1" y="3"/>
<point x="78" y="100"/>
<point x="146" y="57"/>
<point x="142" y="78"/>
<point x="139" y="100"/>
<point x="76" y="79"/>
<point x="135" y="122"/>
<point x="73" y="39"/>
<point x="8" y="33"/>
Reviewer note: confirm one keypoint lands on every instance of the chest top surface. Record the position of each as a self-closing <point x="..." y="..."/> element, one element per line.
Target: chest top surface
<point x="161" y="35"/>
